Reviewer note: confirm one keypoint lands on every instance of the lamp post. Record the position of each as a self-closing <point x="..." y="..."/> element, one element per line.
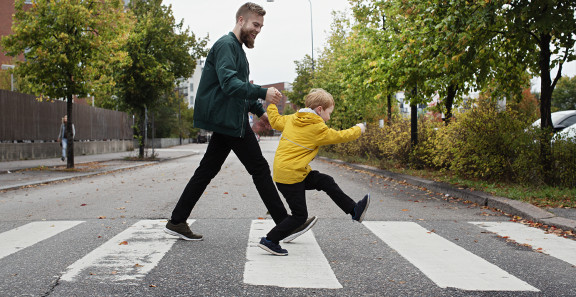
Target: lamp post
<point x="311" y="31"/>
<point x="6" y="67"/>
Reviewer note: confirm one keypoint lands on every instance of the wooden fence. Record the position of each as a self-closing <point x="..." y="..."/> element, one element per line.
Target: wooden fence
<point x="23" y="118"/>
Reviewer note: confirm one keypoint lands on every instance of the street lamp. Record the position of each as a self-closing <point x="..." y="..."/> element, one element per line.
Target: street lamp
<point x="6" y="67"/>
<point x="311" y="31"/>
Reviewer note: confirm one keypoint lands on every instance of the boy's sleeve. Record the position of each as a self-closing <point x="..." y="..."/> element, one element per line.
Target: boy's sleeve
<point x="276" y="120"/>
<point x="330" y="136"/>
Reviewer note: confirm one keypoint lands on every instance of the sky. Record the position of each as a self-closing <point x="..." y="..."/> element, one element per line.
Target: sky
<point x="285" y="37"/>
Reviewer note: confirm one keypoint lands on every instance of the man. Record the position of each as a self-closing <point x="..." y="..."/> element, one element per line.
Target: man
<point x="63" y="138"/>
<point x="223" y="100"/>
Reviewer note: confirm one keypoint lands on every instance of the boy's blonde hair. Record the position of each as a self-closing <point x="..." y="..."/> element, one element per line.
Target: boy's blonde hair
<point x="318" y="97"/>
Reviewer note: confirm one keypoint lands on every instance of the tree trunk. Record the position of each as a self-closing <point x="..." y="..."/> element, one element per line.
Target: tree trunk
<point x="69" y="133"/>
<point x="449" y="102"/>
<point x="413" y="119"/>
<point x="389" y="116"/>
<point x="142" y="129"/>
<point x="545" y="106"/>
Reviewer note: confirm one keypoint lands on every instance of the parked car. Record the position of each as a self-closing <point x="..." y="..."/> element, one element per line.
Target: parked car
<point x="560" y="120"/>
<point x="568" y="133"/>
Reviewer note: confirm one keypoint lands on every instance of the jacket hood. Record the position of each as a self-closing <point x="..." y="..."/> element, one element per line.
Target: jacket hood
<point x="307" y="116"/>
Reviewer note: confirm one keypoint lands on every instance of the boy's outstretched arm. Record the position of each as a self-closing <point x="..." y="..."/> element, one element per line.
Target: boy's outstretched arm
<point x="331" y="136"/>
<point x="276" y="120"/>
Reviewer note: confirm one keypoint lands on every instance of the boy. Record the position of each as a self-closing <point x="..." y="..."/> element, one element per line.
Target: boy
<point x="302" y="135"/>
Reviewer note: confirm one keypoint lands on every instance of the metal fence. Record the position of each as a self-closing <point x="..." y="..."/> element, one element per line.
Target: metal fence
<point x="23" y="118"/>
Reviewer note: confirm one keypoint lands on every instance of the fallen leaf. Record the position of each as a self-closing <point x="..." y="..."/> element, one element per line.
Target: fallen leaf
<point x="83" y="204"/>
<point x="404" y="209"/>
<point x="123" y="243"/>
<point x="101" y="217"/>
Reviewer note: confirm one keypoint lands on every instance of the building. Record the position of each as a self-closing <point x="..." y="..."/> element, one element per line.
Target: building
<point x="189" y="86"/>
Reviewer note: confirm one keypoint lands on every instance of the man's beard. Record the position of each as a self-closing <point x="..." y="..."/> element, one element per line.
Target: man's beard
<point x="246" y="38"/>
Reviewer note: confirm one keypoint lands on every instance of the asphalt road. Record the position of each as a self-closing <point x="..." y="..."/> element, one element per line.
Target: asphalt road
<point x="101" y="235"/>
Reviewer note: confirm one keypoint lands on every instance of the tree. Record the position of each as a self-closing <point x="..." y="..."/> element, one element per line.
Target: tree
<point x="564" y="95"/>
<point x="69" y="48"/>
<point x="302" y="83"/>
<point x="161" y="51"/>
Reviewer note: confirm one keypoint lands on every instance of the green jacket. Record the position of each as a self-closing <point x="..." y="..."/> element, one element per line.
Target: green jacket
<point x="225" y="94"/>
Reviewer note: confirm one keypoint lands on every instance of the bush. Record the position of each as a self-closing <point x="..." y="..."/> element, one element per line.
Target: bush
<point x="484" y="143"/>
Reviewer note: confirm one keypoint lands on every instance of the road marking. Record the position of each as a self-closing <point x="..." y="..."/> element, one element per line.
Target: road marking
<point x="304" y="267"/>
<point x="30" y="234"/>
<point x="128" y="256"/>
<point x="555" y="246"/>
<point x="445" y="263"/>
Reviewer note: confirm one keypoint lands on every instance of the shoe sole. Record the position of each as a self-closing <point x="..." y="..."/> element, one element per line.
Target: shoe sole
<point x="295" y="235"/>
<point x="180" y="235"/>
<point x="365" y="209"/>
<point x="271" y="251"/>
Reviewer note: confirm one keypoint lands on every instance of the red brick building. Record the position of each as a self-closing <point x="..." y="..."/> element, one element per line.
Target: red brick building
<point x="7" y="11"/>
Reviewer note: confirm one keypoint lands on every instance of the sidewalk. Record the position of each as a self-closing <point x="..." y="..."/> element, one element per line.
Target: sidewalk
<point x="16" y="174"/>
<point x="22" y="173"/>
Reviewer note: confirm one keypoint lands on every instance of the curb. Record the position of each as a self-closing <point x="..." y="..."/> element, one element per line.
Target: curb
<point x="510" y="206"/>
<point x="119" y="168"/>
<point x="68" y="177"/>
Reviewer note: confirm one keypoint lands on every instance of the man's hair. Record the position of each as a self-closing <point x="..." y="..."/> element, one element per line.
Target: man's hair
<point x="250" y="7"/>
<point x="318" y="97"/>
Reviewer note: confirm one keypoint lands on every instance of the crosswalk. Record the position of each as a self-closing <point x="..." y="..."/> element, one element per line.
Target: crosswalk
<point x="133" y="253"/>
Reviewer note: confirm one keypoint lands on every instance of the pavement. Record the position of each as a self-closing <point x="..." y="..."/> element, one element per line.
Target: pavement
<point x="29" y="173"/>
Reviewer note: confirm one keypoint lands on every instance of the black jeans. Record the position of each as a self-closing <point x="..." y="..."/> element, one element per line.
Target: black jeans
<point x="248" y="151"/>
<point x="295" y="195"/>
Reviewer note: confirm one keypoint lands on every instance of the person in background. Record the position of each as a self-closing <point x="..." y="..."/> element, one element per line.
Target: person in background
<point x="62" y="136"/>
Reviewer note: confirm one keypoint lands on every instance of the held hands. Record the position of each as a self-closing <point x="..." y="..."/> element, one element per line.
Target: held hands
<point x="362" y="127"/>
<point x="273" y="96"/>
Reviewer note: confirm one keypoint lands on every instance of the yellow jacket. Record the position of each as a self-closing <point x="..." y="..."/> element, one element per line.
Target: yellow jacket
<point x="302" y="135"/>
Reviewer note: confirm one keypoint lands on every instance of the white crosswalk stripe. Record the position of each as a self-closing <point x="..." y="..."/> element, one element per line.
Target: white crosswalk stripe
<point x="30" y="234"/>
<point x="445" y="263"/>
<point x="304" y="267"/>
<point x="128" y="256"/>
<point x="550" y="244"/>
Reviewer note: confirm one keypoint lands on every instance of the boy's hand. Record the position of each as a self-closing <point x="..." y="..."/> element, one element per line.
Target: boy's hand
<point x="362" y="127"/>
<point x="273" y="96"/>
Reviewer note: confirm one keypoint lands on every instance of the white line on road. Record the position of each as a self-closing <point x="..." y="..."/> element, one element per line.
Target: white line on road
<point x="445" y="263"/>
<point x="129" y="255"/>
<point x="30" y="234"/>
<point x="555" y="246"/>
<point x="304" y="267"/>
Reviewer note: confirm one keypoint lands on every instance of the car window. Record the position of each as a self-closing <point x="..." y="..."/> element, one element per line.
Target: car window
<point x="569" y="121"/>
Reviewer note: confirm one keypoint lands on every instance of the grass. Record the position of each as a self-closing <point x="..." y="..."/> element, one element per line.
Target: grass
<point x="541" y="196"/>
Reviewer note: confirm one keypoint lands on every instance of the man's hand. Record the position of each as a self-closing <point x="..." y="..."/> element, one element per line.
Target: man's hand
<point x="273" y="96"/>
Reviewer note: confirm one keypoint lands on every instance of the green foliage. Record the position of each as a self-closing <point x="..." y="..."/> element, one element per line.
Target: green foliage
<point x="160" y="51"/>
<point x="302" y="83"/>
<point x="564" y="95"/>
<point x="69" y="47"/>
<point x="485" y="143"/>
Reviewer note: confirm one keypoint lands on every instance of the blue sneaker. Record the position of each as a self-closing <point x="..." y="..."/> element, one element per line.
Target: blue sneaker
<point x="360" y="209"/>
<point x="272" y="248"/>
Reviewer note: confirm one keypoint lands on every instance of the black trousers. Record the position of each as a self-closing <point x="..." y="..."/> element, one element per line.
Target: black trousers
<point x="248" y="151"/>
<point x="295" y="195"/>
